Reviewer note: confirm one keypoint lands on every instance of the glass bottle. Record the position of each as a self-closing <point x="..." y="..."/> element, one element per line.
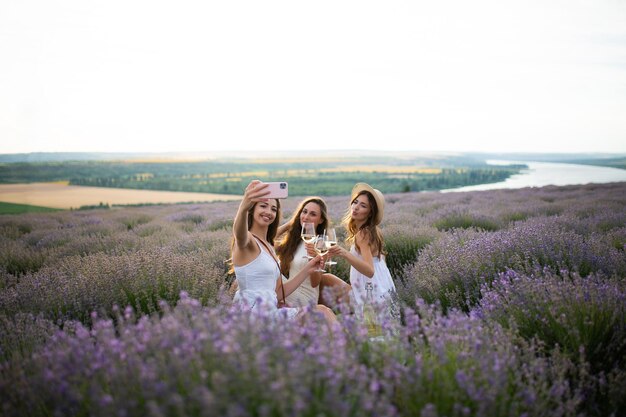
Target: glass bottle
<point x="370" y="317"/>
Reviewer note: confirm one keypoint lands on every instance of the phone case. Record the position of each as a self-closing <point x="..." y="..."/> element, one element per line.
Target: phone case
<point x="278" y="189"/>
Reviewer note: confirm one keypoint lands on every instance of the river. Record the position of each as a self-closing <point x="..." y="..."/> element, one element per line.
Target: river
<point x="540" y="174"/>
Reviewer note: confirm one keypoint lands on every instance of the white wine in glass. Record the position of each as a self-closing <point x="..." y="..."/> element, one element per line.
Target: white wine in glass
<point x="330" y="239"/>
<point x="320" y="248"/>
<point x="308" y="234"/>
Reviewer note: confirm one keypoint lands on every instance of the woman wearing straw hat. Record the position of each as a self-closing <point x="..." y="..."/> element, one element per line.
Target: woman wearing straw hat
<point x="366" y="255"/>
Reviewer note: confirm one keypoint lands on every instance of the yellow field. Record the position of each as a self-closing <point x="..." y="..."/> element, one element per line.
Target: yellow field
<point x="389" y="169"/>
<point x="394" y="169"/>
<point x="61" y="195"/>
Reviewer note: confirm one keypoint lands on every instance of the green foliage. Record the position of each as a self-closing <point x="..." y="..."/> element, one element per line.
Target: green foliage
<point x="607" y="162"/>
<point x="402" y="248"/>
<point x="10" y="208"/>
<point x="95" y="206"/>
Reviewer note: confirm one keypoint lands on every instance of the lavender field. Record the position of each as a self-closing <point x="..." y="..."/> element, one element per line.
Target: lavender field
<point x="513" y="303"/>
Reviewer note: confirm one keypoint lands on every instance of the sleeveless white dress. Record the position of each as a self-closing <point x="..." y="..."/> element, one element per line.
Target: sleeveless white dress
<point x="305" y="294"/>
<point x="257" y="286"/>
<point x="382" y="283"/>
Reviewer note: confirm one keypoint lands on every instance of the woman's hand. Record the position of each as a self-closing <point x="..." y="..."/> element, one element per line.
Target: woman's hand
<point x="310" y="250"/>
<point x="337" y="250"/>
<point x="295" y="281"/>
<point x="316" y="263"/>
<point x="255" y="192"/>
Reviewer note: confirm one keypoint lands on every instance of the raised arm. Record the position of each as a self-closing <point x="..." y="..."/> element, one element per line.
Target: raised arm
<point x="255" y="191"/>
<point x="282" y="229"/>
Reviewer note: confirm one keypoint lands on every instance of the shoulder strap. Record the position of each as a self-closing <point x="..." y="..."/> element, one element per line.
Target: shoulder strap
<point x="267" y="247"/>
<point x="273" y="255"/>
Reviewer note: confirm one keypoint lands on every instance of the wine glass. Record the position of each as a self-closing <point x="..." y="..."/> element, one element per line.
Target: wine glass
<point x="320" y="248"/>
<point x="308" y="234"/>
<point x="330" y="239"/>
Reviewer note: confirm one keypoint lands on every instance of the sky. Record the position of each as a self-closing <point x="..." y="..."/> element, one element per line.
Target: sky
<point x="201" y="76"/>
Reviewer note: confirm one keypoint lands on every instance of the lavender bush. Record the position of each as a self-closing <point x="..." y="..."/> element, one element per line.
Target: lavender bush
<point x="17" y="259"/>
<point x="403" y="244"/>
<point x="454" y="268"/>
<point x="21" y="334"/>
<point x="465" y="366"/>
<point x="564" y="310"/>
<point x="78" y="285"/>
<point x="464" y="219"/>
<point x="585" y="317"/>
<point x="195" y="360"/>
<point x="66" y="349"/>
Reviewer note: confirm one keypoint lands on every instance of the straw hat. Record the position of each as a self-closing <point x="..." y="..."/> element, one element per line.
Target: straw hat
<point x="378" y="196"/>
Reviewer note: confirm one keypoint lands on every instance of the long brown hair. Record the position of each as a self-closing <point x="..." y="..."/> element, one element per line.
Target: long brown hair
<point x="289" y="244"/>
<point x="271" y="232"/>
<point x="373" y="232"/>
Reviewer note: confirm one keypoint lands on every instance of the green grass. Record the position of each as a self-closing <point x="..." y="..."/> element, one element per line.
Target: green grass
<point x="10" y="208"/>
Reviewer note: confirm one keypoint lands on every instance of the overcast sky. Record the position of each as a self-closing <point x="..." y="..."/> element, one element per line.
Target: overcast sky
<point x="458" y="75"/>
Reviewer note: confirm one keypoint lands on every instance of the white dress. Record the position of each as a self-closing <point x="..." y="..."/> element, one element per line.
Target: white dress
<point x="257" y="285"/>
<point x="305" y="294"/>
<point x="382" y="283"/>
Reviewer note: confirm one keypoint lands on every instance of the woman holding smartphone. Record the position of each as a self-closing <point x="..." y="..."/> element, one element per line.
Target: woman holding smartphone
<point x="293" y="251"/>
<point x="254" y="262"/>
<point x="366" y="255"/>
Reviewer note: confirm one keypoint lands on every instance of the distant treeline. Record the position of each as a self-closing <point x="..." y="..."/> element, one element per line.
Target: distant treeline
<point x="605" y="162"/>
<point x="318" y="183"/>
<point x="305" y="177"/>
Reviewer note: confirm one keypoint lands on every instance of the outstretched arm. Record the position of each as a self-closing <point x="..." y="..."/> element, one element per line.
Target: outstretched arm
<point x="365" y="264"/>
<point x="255" y="191"/>
<point x="295" y="281"/>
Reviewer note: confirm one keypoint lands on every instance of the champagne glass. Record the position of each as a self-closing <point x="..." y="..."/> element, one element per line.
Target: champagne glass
<point x="330" y="241"/>
<point x="320" y="248"/>
<point x="308" y="234"/>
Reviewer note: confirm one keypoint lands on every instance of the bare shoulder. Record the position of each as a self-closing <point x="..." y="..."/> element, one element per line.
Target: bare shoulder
<point x="246" y="252"/>
<point x="363" y="236"/>
<point x="365" y="239"/>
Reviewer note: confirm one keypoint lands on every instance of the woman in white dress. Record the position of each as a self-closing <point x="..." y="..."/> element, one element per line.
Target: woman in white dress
<point x="292" y="252"/>
<point x="254" y="262"/>
<point x="366" y="255"/>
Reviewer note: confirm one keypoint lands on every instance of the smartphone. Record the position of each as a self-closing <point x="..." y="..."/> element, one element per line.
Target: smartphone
<point x="277" y="189"/>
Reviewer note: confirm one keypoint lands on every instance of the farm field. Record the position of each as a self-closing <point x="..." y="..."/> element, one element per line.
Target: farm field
<point x="307" y="176"/>
<point x="512" y="302"/>
<point x="64" y="196"/>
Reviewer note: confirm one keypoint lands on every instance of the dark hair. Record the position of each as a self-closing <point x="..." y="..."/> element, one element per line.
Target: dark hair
<point x="289" y="244"/>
